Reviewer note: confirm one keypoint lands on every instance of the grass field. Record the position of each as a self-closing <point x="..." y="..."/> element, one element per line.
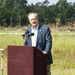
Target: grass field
<point x="63" y="49"/>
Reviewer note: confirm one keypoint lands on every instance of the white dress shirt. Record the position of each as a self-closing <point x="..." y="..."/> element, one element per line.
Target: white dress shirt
<point x="34" y="38"/>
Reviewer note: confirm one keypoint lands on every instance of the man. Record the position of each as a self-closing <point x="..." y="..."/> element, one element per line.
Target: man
<point x="42" y="38"/>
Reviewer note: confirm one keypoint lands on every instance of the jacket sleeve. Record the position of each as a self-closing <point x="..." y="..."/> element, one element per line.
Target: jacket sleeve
<point x="48" y="40"/>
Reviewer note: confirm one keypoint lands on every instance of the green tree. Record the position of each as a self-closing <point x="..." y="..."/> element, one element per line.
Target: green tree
<point x="20" y="7"/>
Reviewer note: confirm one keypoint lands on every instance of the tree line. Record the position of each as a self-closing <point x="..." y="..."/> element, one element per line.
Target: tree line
<point x="14" y="12"/>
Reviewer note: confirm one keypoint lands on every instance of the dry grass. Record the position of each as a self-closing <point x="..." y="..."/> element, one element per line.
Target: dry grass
<point x="63" y="71"/>
<point x="63" y="50"/>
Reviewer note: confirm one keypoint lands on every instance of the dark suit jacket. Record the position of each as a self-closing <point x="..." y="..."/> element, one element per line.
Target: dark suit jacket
<point x="44" y="41"/>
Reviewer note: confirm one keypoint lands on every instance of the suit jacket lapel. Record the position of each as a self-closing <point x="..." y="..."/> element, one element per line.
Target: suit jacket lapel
<point x="39" y="33"/>
<point x="30" y="37"/>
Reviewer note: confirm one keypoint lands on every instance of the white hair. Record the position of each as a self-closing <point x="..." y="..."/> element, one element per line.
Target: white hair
<point x="33" y="13"/>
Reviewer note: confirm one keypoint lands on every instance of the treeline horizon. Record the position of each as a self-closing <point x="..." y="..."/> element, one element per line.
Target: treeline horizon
<point x="14" y="12"/>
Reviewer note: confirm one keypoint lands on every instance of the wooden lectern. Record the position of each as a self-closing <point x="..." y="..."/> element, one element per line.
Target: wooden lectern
<point x="26" y="60"/>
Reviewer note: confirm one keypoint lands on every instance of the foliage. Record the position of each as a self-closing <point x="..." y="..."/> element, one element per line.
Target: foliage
<point x="63" y="49"/>
<point x="16" y="11"/>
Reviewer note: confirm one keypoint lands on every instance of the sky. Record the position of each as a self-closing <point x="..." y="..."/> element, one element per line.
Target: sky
<point x="51" y="1"/>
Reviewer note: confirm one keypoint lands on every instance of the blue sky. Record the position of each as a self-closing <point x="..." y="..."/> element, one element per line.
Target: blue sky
<point x="51" y="1"/>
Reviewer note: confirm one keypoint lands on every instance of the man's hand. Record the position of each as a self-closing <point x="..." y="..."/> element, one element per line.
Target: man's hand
<point x="44" y="52"/>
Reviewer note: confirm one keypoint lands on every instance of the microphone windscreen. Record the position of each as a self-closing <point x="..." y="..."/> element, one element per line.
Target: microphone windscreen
<point x="27" y="32"/>
<point x="32" y="34"/>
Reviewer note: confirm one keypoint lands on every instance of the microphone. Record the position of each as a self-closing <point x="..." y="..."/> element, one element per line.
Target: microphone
<point x="30" y="34"/>
<point x="25" y="34"/>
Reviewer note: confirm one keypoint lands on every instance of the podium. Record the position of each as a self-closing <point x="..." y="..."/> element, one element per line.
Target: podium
<point x="26" y="60"/>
